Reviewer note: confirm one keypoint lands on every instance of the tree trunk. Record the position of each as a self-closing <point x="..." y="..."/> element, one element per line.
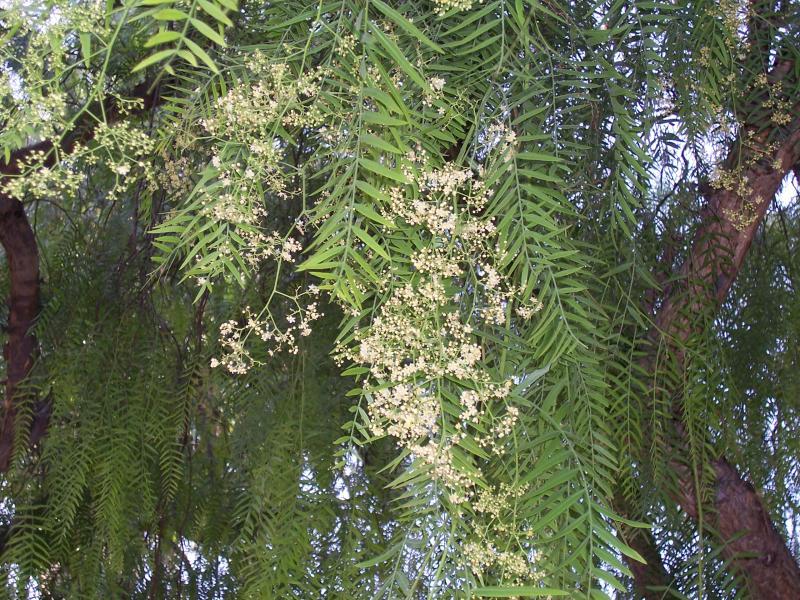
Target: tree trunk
<point x="743" y="522"/>
<point x="19" y="243"/>
<point x="729" y="222"/>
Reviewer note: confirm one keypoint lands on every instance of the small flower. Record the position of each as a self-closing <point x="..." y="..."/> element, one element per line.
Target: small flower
<point x="437" y="84"/>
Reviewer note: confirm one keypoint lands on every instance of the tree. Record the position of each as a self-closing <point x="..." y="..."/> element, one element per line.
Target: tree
<point x="421" y="299"/>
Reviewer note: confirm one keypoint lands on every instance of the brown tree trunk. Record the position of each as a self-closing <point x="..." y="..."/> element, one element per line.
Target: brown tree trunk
<point x="19" y="243"/>
<point x="752" y="541"/>
<point x="729" y="222"/>
<point x="651" y="577"/>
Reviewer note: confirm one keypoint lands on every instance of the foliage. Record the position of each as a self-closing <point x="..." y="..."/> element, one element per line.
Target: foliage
<point x="350" y="300"/>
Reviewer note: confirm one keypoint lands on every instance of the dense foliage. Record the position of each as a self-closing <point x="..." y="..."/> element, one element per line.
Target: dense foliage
<point x="372" y="299"/>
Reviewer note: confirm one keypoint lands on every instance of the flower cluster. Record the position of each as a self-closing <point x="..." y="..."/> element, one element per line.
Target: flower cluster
<point x="174" y="176"/>
<point x="780" y="104"/>
<point x="444" y="6"/>
<point x="434" y="93"/>
<point x="234" y="335"/>
<point x="417" y="340"/>
<point x="277" y="96"/>
<point x="501" y="139"/>
<point x="736" y="181"/>
<point x="247" y="176"/>
<point x="120" y="148"/>
<point x="516" y="566"/>
<point x="63" y="179"/>
<point x="747" y="214"/>
<point x="515" y="561"/>
<point x="429" y="387"/>
<point x="733" y="15"/>
<point x="33" y="103"/>
<point x="413" y="335"/>
<point x="247" y="168"/>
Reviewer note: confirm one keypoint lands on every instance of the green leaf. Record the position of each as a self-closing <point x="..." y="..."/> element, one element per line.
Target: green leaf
<point x="188" y="57"/>
<point x="162" y="37"/>
<point x="379" y="143"/>
<point x="397" y="55"/>
<point x="509" y="592"/>
<point x="153" y="59"/>
<point x="383" y="557"/>
<point x="405" y="25"/>
<point x="540" y="156"/>
<point x="375" y="118"/>
<point x="201" y="54"/>
<point x="380" y="169"/>
<point x="562" y="506"/>
<point x="362" y="262"/>
<point x="383" y="98"/>
<point x="170" y="14"/>
<point x="373" y="215"/>
<point x="519" y="12"/>
<point x="209" y="32"/>
<point x="319" y="258"/>
<point x="370" y="242"/>
<point x="86" y="48"/>
<point x="215" y="11"/>
<point x="372" y="191"/>
<point x="619" y="545"/>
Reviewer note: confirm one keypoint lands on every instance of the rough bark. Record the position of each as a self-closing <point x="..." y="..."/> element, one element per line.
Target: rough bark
<point x="19" y="243"/>
<point x="739" y="516"/>
<point x="752" y="540"/>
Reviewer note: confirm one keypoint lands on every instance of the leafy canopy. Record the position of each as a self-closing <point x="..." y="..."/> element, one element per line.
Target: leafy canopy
<point x="346" y="298"/>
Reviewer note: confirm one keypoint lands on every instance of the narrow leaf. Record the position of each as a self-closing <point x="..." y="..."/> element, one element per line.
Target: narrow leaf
<point x="510" y="592"/>
<point x="215" y="11"/>
<point x="170" y="14"/>
<point x="405" y="25"/>
<point x="153" y="59"/>
<point x="209" y="32"/>
<point x="162" y="37"/>
<point x="202" y="55"/>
